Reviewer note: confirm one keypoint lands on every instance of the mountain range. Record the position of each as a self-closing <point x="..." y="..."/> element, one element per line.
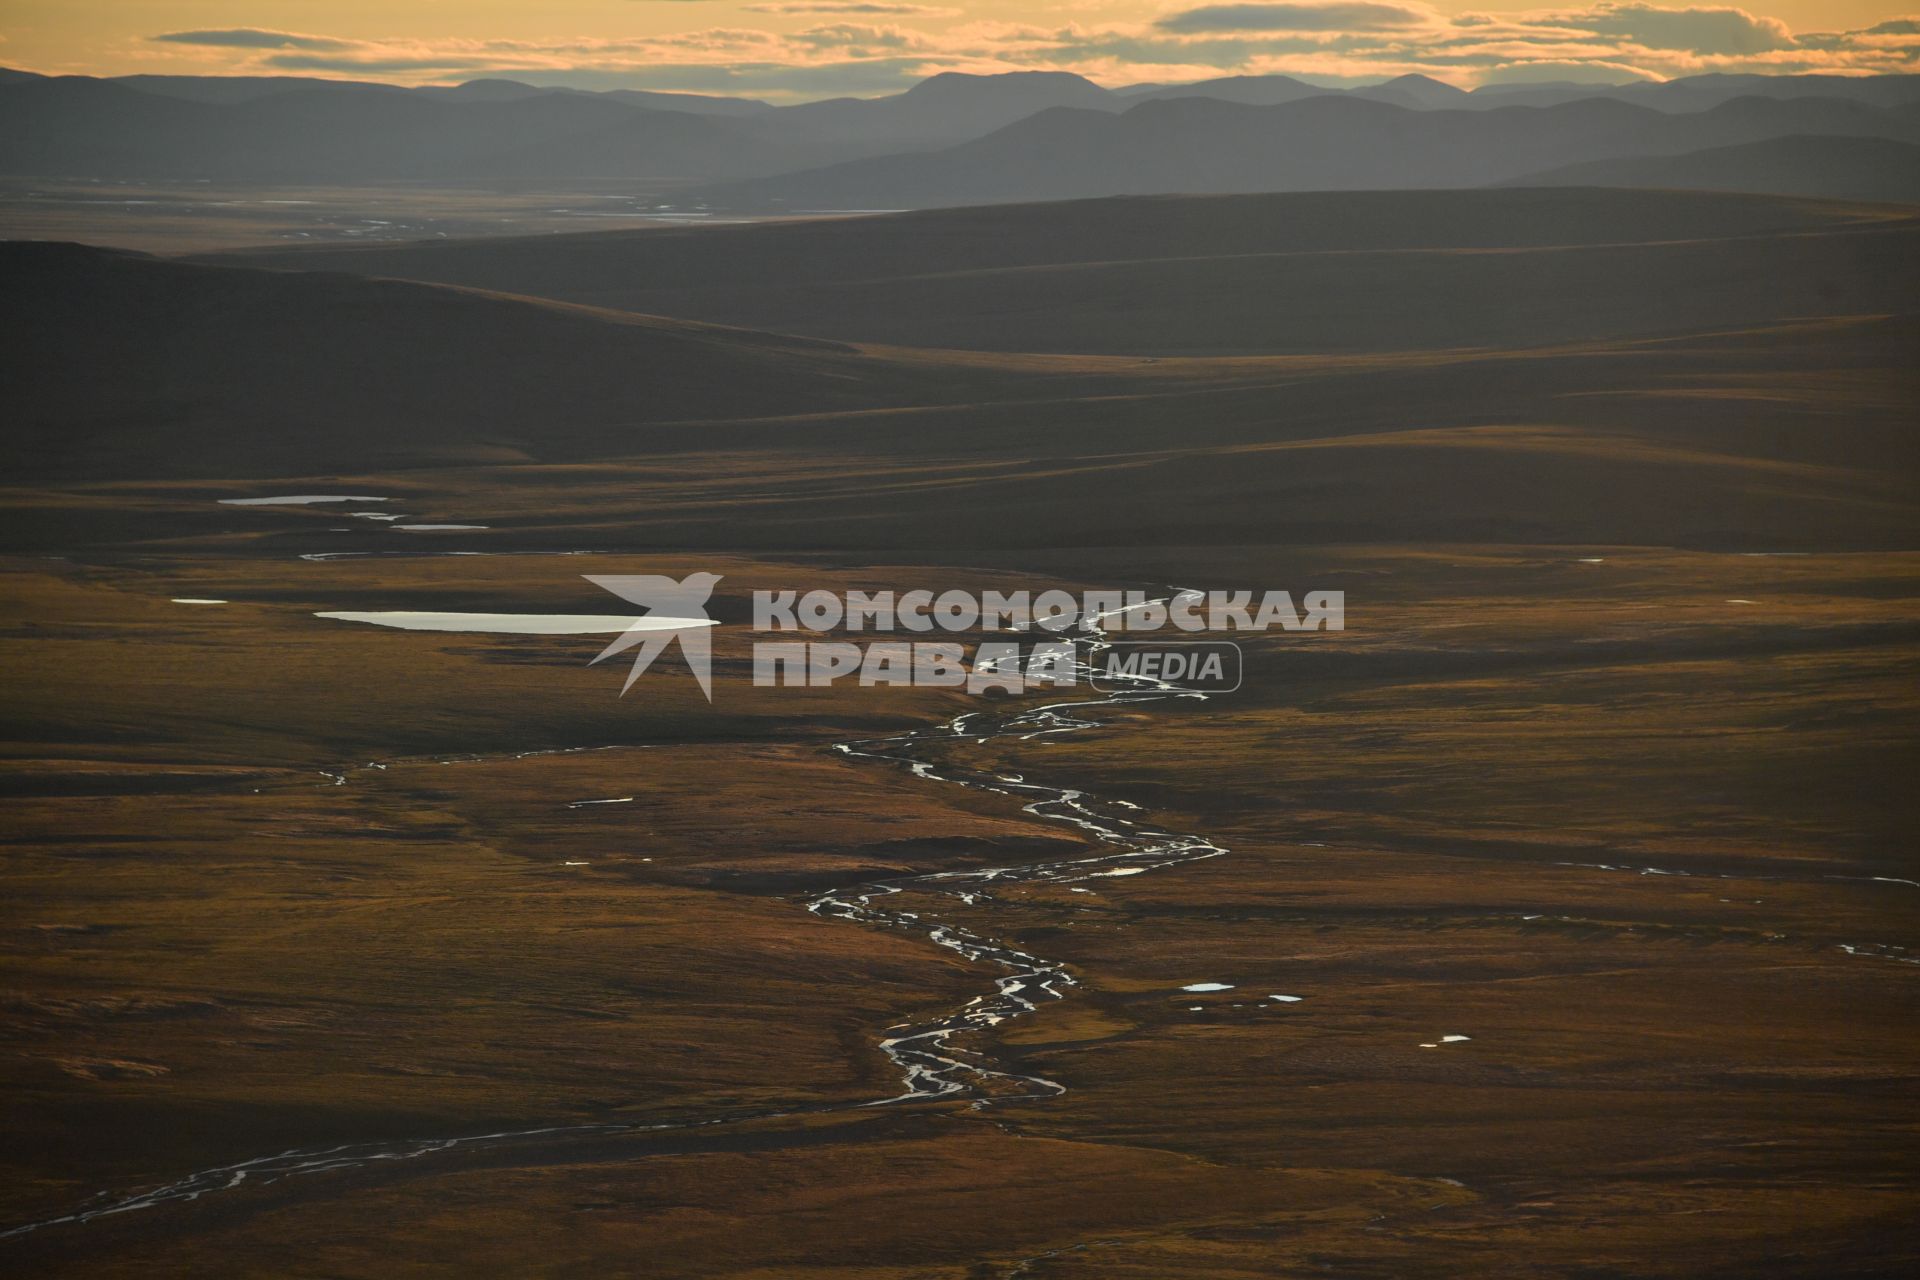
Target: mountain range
<point x="951" y="139"/>
<point x="1204" y="145"/>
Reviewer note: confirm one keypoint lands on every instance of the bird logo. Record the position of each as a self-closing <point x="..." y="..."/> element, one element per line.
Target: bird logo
<point x="676" y="610"/>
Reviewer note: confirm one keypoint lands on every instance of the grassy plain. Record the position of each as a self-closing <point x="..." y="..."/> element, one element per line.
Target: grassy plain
<point x="1611" y="826"/>
<point x="1608" y="776"/>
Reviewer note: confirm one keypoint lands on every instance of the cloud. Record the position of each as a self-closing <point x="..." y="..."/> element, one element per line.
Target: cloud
<point x="251" y="38"/>
<point x="1361" y="16"/>
<point x="866" y="47"/>
<point x="854" y="6"/>
<point x="1708" y="31"/>
<point x="858" y="41"/>
<point x="371" y="65"/>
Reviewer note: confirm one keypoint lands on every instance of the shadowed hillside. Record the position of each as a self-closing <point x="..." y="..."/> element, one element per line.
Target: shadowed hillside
<point x="129" y="366"/>
<point x="1842" y="168"/>
<point x="1315" y="272"/>
<point x="137" y="365"/>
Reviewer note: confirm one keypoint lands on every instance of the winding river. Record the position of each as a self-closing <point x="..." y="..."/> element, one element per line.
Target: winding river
<point x="932" y="1066"/>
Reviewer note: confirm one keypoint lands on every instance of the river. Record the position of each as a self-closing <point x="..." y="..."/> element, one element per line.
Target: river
<point x="932" y="1067"/>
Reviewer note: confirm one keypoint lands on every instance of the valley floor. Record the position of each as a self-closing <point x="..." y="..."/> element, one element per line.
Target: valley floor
<point x="1631" y="822"/>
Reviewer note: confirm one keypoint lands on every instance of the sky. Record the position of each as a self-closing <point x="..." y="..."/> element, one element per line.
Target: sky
<point x="794" y="50"/>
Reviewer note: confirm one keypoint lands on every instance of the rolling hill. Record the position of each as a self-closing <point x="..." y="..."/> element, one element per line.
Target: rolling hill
<point x="1841" y="168"/>
<point x="136" y="368"/>
<point x="126" y="364"/>
<point x="1317" y="272"/>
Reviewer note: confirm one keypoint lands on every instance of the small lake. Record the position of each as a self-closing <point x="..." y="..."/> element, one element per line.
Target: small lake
<point x="520" y="624"/>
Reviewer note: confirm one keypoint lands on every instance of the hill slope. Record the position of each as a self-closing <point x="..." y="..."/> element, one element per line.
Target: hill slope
<point x="1842" y="168"/>
<point x="127" y="364"/>
<point x="1325" y="272"/>
<point x="118" y="366"/>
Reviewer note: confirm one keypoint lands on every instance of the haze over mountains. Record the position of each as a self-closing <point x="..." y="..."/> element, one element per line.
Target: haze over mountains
<point x="1322" y="143"/>
<point x="960" y="139"/>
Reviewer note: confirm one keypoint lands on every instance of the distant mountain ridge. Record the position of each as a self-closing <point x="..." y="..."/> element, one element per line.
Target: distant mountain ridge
<point x="954" y="138"/>
<point x="1065" y="88"/>
<point x="1324" y="143"/>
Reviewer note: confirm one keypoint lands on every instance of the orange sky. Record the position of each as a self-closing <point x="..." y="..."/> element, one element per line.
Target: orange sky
<point x="793" y="49"/>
